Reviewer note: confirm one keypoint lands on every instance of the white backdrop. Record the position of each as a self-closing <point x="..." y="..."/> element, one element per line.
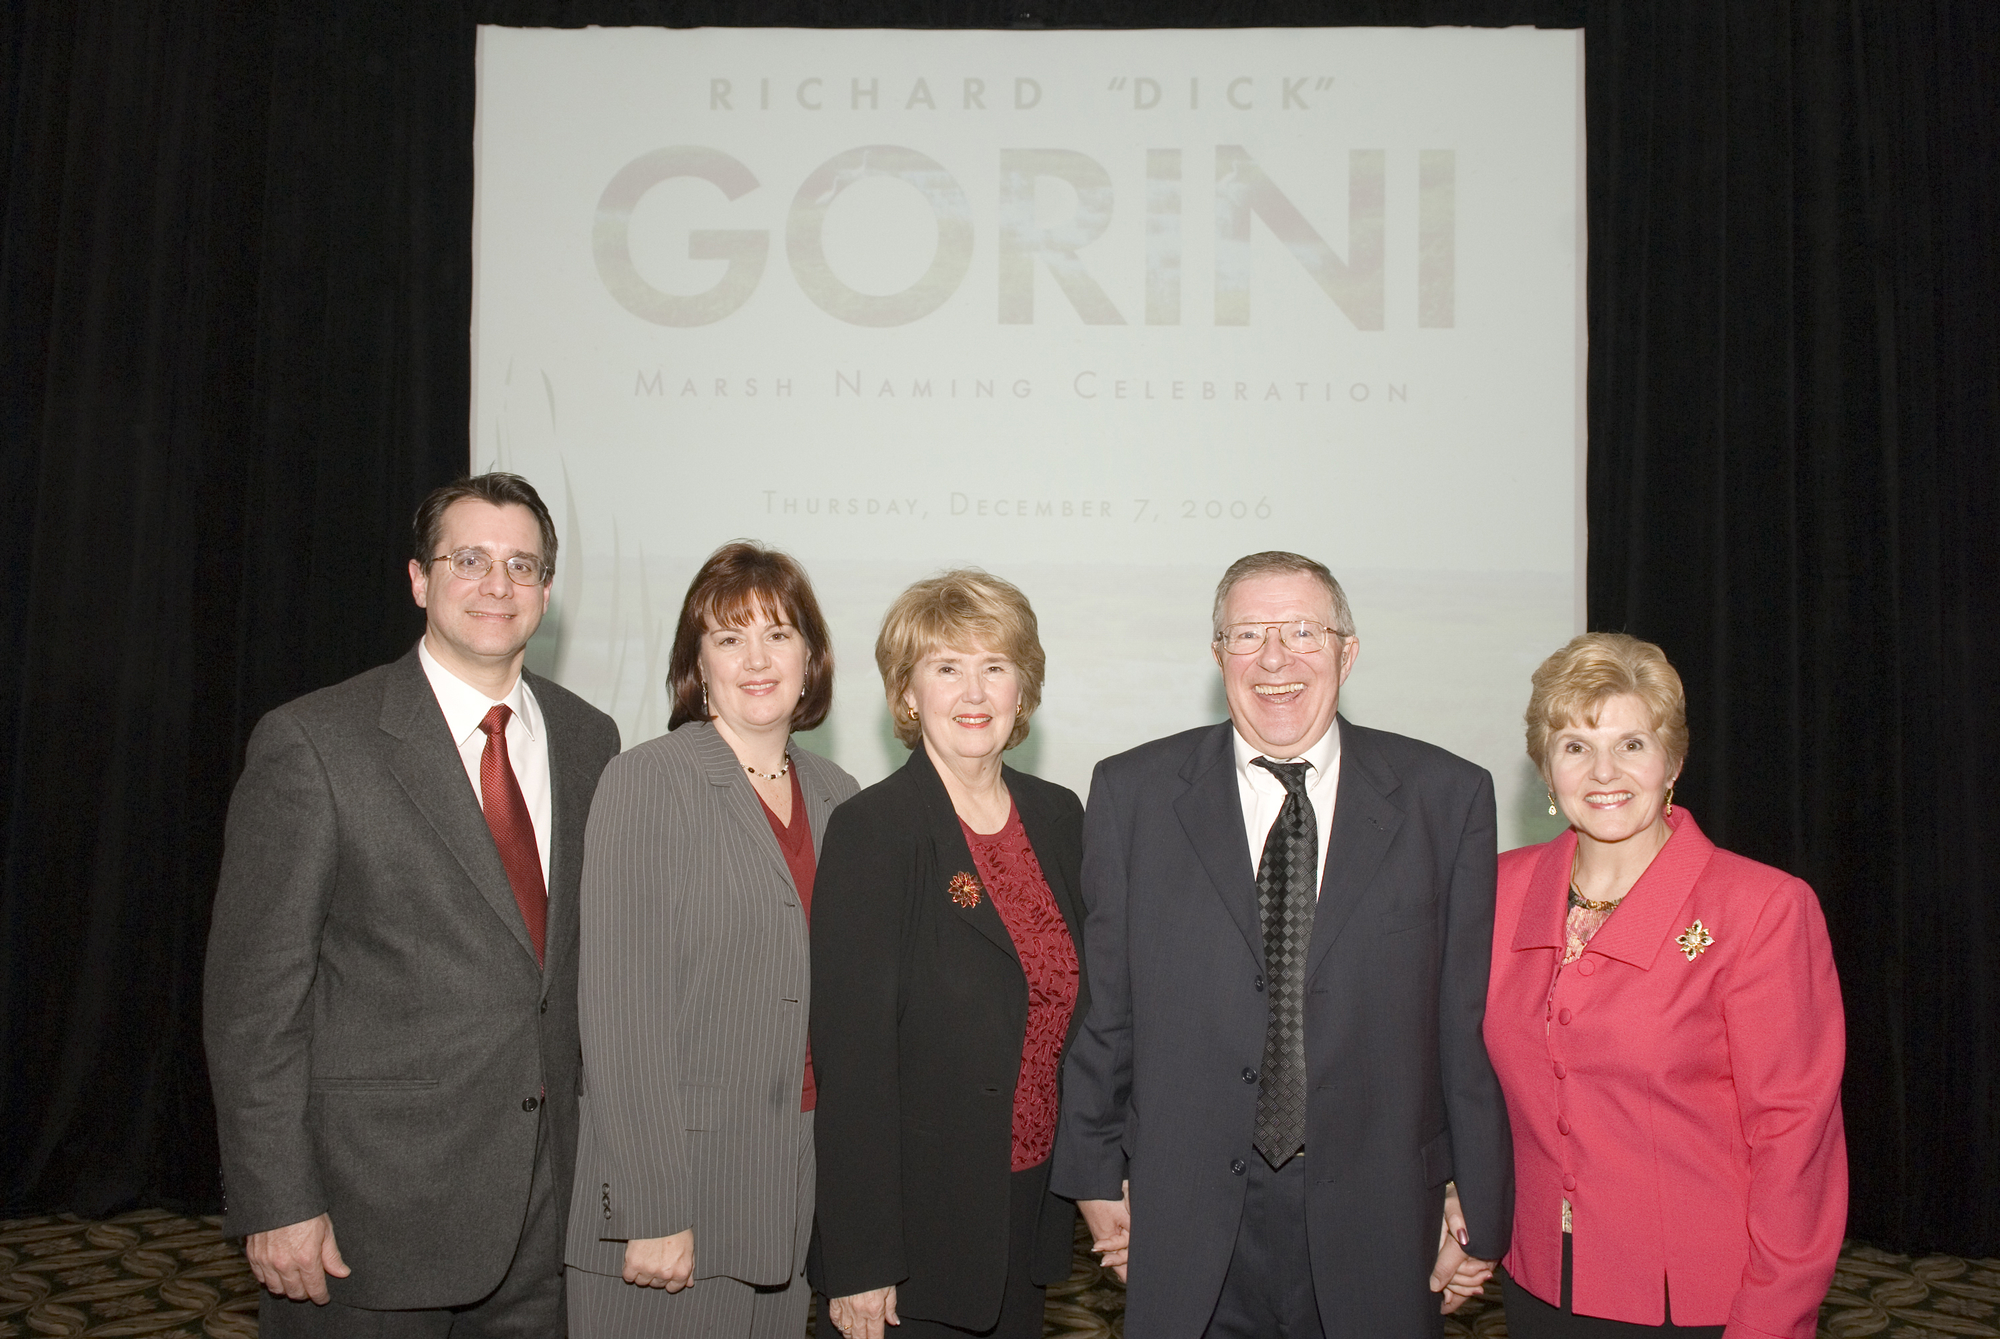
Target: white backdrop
<point x="1096" y="311"/>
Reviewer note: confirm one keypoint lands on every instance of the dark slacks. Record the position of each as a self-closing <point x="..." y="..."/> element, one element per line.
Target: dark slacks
<point x="528" y="1303"/>
<point x="1022" y="1298"/>
<point x="1268" y="1290"/>
<point x="1529" y="1317"/>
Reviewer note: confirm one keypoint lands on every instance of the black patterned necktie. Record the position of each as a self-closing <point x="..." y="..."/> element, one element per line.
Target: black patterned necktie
<point x="1287" y="896"/>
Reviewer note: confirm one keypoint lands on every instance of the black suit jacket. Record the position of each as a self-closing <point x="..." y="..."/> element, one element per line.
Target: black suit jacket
<point x="920" y="1010"/>
<point x="381" y="1041"/>
<point x="1400" y="1096"/>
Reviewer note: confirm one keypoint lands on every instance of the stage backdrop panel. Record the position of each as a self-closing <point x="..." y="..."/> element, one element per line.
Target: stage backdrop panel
<point x="1096" y="311"/>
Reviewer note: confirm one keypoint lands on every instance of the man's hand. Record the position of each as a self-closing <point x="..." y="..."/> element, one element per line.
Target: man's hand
<point x="863" y="1315"/>
<point x="1110" y="1224"/>
<point x="1460" y="1277"/>
<point x="294" y="1261"/>
<point x="661" y="1262"/>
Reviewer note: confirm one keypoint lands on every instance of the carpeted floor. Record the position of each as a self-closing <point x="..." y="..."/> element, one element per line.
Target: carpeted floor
<point x="153" y="1275"/>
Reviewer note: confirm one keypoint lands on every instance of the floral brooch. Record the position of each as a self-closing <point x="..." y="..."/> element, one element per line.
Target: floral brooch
<point x="965" y="890"/>
<point x="1694" y="939"/>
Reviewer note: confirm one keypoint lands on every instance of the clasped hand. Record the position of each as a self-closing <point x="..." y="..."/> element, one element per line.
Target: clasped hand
<point x="863" y="1315"/>
<point x="1460" y="1277"/>
<point x="661" y="1262"/>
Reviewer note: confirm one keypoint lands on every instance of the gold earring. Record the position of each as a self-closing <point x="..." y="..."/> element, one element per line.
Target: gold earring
<point x="1552" y="804"/>
<point x="1670" y="799"/>
<point x="912" y="712"/>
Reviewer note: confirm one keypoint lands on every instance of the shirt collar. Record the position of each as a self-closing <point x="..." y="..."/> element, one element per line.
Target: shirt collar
<point x="465" y="707"/>
<point x="1322" y="755"/>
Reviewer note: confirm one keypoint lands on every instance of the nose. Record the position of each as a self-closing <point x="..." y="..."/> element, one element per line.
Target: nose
<point x="1603" y="767"/>
<point x="975" y="688"/>
<point x="496" y="584"/>
<point x="759" y="654"/>
<point x="1272" y="655"/>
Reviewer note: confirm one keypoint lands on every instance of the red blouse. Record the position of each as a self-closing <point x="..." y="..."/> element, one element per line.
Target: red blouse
<point x="1013" y="879"/>
<point x="796" y="844"/>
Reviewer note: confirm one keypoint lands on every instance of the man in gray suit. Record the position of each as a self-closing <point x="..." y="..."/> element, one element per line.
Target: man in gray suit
<point x="1289" y="925"/>
<point x="391" y="984"/>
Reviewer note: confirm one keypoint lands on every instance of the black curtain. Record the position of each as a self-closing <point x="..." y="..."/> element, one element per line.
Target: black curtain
<point x="235" y="289"/>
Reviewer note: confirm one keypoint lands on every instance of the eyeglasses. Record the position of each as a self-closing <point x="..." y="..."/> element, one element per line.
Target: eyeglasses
<point x="1302" y="638"/>
<point x="473" y="564"/>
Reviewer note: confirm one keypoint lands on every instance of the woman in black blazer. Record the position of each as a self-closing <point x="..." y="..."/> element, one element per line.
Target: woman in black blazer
<point x="947" y="984"/>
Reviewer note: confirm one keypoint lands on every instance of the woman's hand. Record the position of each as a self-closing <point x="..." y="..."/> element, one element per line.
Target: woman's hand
<point x="1110" y="1224"/>
<point x="661" y="1262"/>
<point x="1460" y="1277"/>
<point x="863" y="1315"/>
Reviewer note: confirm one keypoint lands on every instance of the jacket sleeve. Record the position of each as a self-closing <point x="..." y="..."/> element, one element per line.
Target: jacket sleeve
<point x="280" y="854"/>
<point x="628" y="1005"/>
<point x="1482" y="1148"/>
<point x="1090" y="1158"/>
<point x="860" y="891"/>
<point x="1787" y="1048"/>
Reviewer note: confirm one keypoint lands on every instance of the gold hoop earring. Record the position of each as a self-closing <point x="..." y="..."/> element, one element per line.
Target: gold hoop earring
<point x="1670" y="799"/>
<point x="1552" y="804"/>
<point x="912" y="711"/>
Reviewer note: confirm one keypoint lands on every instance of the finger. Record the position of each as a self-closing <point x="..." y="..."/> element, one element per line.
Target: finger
<point x="1121" y="1273"/>
<point x="889" y="1311"/>
<point x="329" y="1257"/>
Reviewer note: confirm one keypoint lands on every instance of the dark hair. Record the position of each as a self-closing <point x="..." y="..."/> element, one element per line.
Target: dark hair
<point x="499" y="488"/>
<point x="739" y="580"/>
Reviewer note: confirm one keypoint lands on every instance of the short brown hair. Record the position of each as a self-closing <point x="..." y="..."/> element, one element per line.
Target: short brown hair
<point x="1572" y="685"/>
<point x="959" y="610"/>
<point x="740" y="580"/>
<point x="1277" y="562"/>
<point x="499" y="488"/>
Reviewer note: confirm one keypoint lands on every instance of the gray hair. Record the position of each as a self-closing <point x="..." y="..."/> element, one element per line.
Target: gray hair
<point x="1276" y="562"/>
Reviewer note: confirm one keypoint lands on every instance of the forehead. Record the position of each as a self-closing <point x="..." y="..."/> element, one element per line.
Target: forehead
<point x="474" y="523"/>
<point x="1278" y="595"/>
<point x="1620" y="714"/>
<point x="977" y="651"/>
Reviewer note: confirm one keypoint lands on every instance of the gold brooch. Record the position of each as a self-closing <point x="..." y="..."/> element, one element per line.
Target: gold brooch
<point x="1694" y="939"/>
<point x="965" y="890"/>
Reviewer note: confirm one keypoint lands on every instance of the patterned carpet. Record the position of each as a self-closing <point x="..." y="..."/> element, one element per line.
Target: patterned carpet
<point x="152" y="1275"/>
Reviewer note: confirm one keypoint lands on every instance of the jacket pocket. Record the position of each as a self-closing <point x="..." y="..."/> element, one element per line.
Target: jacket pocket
<point x="368" y="1085"/>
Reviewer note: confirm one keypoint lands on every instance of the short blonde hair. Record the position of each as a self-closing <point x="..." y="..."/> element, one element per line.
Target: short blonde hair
<point x="1574" y="684"/>
<point x="959" y="610"/>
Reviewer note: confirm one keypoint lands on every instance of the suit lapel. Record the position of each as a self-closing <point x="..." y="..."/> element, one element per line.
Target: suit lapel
<point x="1545" y="905"/>
<point x="819" y="796"/>
<point x="1365" y="820"/>
<point x="570" y="790"/>
<point x="745" y="810"/>
<point x="1211" y="813"/>
<point x="426" y="764"/>
<point x="954" y="857"/>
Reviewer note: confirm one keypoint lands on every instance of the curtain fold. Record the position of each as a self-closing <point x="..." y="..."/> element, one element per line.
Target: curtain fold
<point x="235" y="289"/>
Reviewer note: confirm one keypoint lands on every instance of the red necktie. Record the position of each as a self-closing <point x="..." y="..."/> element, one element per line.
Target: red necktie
<point x="513" y="830"/>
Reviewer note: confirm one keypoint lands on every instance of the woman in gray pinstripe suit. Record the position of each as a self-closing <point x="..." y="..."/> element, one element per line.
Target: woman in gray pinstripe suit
<point x="695" y="1175"/>
<point x="947" y="980"/>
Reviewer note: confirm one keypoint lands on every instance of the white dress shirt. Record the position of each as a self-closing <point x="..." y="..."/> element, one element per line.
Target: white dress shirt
<point x="527" y="740"/>
<point x="1263" y="795"/>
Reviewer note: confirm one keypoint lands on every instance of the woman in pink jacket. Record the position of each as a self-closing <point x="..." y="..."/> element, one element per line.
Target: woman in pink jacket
<point x="1666" y="1022"/>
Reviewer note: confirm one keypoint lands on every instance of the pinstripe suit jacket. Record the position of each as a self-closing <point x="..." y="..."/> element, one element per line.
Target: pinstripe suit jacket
<point x="693" y="996"/>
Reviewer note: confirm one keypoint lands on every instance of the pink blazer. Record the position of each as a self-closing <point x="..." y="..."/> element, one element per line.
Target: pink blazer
<point x="1687" y="1108"/>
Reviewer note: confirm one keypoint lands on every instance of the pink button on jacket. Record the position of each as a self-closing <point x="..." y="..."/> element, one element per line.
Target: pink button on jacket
<point x="1687" y="1107"/>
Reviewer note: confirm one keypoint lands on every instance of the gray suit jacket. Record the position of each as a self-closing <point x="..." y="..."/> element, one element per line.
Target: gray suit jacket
<point x="695" y="991"/>
<point x="1160" y="1083"/>
<point x="380" y="1038"/>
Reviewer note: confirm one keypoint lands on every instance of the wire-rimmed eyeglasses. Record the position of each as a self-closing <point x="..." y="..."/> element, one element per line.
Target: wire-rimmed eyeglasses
<point x="473" y="564"/>
<point x="1302" y="637"/>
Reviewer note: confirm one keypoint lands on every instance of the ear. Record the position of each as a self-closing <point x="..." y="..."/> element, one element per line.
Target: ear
<point x="1350" y="651"/>
<point x="419" y="583"/>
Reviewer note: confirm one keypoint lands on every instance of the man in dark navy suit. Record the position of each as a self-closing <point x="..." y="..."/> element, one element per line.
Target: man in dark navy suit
<point x="1290" y="921"/>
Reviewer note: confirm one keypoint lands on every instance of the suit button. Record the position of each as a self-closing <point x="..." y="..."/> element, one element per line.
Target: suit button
<point x="1259" y="983"/>
<point x="529" y="1103"/>
<point x="1238" y="1166"/>
<point x="545" y="1006"/>
<point x="1249" y="1076"/>
<point x="1561" y="1072"/>
<point x="1569" y="1182"/>
<point x="1562" y="1124"/>
<point x="1586" y="967"/>
<point x="1563" y="1018"/>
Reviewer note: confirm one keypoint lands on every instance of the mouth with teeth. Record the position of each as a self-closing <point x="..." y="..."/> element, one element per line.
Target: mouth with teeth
<point x="973" y="722"/>
<point x="1278" y="692"/>
<point x="1607" y="799"/>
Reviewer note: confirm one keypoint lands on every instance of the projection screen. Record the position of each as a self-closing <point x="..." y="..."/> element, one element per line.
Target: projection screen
<point x="1098" y="312"/>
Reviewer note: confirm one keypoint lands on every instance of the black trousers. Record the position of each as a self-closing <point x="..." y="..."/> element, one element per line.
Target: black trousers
<point x="1022" y="1299"/>
<point x="1529" y="1317"/>
<point x="1268" y="1292"/>
<point x="528" y="1304"/>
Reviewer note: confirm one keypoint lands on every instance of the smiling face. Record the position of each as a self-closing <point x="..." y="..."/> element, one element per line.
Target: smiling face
<point x="480" y="629"/>
<point x="965" y="701"/>
<point x="1282" y="702"/>
<point x="1611" y="778"/>
<point x="754" y="674"/>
